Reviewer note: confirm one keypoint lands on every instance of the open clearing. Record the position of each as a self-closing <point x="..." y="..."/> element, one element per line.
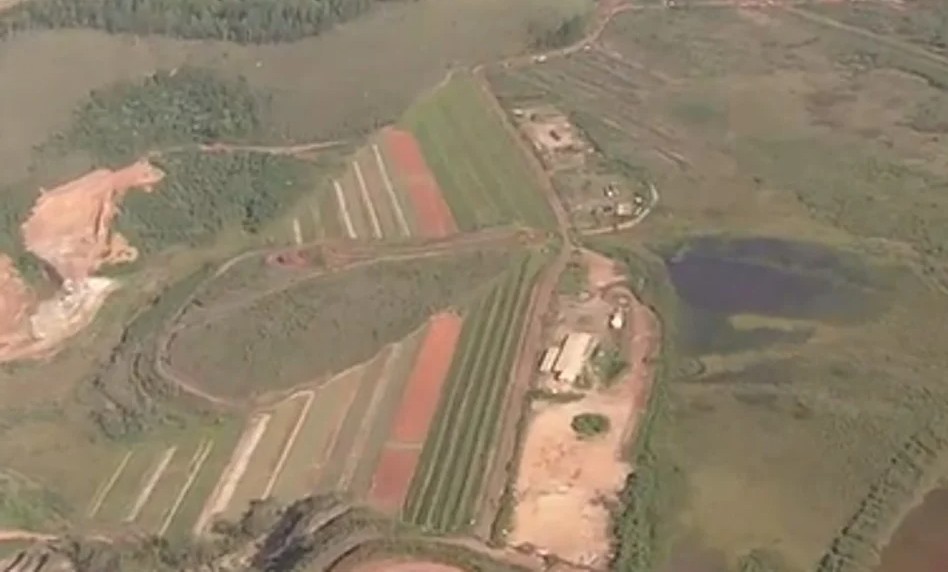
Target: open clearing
<point x="763" y="123"/>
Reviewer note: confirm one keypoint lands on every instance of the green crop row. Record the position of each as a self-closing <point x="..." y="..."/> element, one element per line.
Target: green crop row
<point x="444" y="493"/>
<point x="483" y="174"/>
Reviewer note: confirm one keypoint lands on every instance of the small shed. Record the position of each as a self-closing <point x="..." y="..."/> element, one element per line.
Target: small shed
<point x="549" y="359"/>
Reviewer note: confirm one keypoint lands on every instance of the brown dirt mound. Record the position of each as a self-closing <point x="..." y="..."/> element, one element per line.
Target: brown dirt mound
<point x="397" y="565"/>
<point x="70" y="225"/>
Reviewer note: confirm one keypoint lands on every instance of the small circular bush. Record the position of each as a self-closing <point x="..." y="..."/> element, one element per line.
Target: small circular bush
<point x="590" y="424"/>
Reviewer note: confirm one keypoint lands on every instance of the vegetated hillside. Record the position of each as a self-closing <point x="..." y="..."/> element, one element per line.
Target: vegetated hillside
<point x="170" y="107"/>
<point x="274" y="339"/>
<point x="243" y="21"/>
<point x="767" y="124"/>
<point x="206" y="193"/>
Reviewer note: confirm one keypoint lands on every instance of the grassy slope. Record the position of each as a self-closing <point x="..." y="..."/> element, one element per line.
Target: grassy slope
<point x="770" y="138"/>
<point x="481" y="172"/>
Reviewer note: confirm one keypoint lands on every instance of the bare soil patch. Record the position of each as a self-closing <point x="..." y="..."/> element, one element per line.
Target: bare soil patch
<point x="70" y="225"/>
<point x="393" y="477"/>
<point x="432" y="214"/>
<point x="427" y="378"/>
<point x="565" y="483"/>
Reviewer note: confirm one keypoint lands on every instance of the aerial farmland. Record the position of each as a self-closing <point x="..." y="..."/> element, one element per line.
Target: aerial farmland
<point x="353" y="285"/>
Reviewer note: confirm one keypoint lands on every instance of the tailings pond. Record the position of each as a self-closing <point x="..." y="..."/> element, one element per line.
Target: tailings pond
<point x="719" y="278"/>
<point x="921" y="542"/>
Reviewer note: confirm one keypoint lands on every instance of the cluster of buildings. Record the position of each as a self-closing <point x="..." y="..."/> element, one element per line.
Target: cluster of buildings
<point x="567" y="360"/>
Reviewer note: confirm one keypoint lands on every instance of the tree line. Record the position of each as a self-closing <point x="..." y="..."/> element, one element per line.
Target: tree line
<point x="242" y="21"/>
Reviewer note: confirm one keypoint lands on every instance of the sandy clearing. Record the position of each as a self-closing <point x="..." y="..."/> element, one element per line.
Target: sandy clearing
<point x="564" y="483"/>
<point x="291" y="440"/>
<point x="390" y="189"/>
<point x="367" y="201"/>
<point x="344" y="209"/>
<point x="106" y="487"/>
<point x="234" y="470"/>
<point x="150" y="485"/>
<point x="70" y="225"/>
<point x="197" y="462"/>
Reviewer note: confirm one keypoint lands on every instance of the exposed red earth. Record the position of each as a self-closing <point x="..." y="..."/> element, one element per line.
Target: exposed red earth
<point x="415" y="412"/>
<point x="428" y="375"/>
<point x="393" y="477"/>
<point x="432" y="214"/>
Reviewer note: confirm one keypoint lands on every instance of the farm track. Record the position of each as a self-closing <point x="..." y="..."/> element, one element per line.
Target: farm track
<point x="107" y="486"/>
<point x="390" y="191"/>
<point x="370" y="255"/>
<point x="151" y="483"/>
<point x="194" y="469"/>
<point x="290" y="441"/>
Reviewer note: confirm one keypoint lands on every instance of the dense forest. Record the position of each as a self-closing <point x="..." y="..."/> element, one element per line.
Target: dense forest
<point x="205" y="193"/>
<point x="243" y="21"/>
<point x="189" y="105"/>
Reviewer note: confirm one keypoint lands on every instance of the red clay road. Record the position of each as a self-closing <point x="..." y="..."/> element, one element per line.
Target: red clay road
<point x="432" y="214"/>
<point x="420" y="400"/>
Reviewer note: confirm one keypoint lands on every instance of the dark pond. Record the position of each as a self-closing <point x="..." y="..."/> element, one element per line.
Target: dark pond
<point x="921" y="542"/>
<point x="716" y="278"/>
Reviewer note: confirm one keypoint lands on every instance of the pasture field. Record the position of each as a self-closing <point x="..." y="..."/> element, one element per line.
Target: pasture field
<point x="50" y="72"/>
<point x="481" y="170"/>
<point x="323" y="325"/>
<point x="447" y="484"/>
<point x="764" y="124"/>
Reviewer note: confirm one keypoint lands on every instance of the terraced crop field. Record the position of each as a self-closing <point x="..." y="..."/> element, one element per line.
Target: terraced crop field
<point x="457" y="453"/>
<point x="484" y="175"/>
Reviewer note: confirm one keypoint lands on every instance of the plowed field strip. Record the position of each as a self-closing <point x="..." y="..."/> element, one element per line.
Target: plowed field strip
<point x="230" y="478"/>
<point x="370" y="417"/>
<point x="150" y="485"/>
<point x="458" y="443"/>
<point x="221" y="444"/>
<point x="122" y="492"/>
<point x="107" y="485"/>
<point x="329" y="480"/>
<point x="265" y="458"/>
<point x="356" y="204"/>
<point x="399" y="209"/>
<point x="194" y="469"/>
<point x="331" y="405"/>
<point x="425" y="384"/>
<point x="381" y="422"/>
<point x="487" y="418"/>
<point x="376" y="190"/>
<point x="344" y="209"/>
<point x="393" y="477"/>
<point x="307" y="400"/>
<point x="367" y="204"/>
<point x="480" y="321"/>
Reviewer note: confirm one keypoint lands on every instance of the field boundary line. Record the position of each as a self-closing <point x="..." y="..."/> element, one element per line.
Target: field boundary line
<point x="197" y="462"/>
<point x="290" y="440"/>
<point x="297" y="232"/>
<point x="150" y="485"/>
<point x="390" y="189"/>
<point x="233" y="472"/>
<point x="367" y="200"/>
<point x="343" y="209"/>
<point x="107" y="486"/>
<point x="358" y="446"/>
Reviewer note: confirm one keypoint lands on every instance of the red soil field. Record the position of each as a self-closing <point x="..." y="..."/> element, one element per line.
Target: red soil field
<point x="428" y="375"/>
<point x="393" y="477"/>
<point x="432" y="213"/>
